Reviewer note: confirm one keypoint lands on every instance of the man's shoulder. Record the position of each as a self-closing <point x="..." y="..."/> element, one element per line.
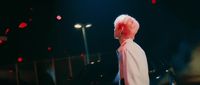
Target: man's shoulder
<point x="128" y="45"/>
<point x="124" y="47"/>
<point x="132" y="46"/>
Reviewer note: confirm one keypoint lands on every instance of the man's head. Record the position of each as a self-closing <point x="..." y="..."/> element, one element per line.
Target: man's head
<point x="125" y="26"/>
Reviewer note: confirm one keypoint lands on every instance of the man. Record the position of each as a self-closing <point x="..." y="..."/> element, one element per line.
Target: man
<point x="133" y="67"/>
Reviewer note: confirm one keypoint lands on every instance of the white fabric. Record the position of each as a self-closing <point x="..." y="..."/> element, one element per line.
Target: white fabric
<point x="133" y="65"/>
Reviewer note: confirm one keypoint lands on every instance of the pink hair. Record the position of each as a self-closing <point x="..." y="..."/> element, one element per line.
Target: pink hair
<point x="123" y="20"/>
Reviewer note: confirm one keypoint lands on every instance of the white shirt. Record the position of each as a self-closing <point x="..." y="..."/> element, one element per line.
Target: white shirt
<point x="133" y="64"/>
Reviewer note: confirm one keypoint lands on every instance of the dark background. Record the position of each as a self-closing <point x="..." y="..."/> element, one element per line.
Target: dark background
<point x="169" y="29"/>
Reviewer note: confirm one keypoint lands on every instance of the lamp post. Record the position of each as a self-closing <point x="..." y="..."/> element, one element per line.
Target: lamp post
<point x="83" y="27"/>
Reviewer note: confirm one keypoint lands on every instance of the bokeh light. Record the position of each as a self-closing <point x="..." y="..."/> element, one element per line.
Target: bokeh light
<point x="20" y="59"/>
<point x="49" y="49"/>
<point x="7" y="31"/>
<point x="58" y="17"/>
<point x="153" y="2"/>
<point x="22" y="25"/>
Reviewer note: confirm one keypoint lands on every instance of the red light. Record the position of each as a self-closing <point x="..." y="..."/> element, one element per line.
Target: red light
<point x="58" y="17"/>
<point x="1" y="42"/>
<point x="20" y="59"/>
<point x="22" y="25"/>
<point x="7" y="31"/>
<point x="153" y="1"/>
<point x="82" y="56"/>
<point x="49" y="49"/>
<point x="3" y="39"/>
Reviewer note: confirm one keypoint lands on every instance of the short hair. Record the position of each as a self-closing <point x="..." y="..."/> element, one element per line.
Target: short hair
<point x="123" y="20"/>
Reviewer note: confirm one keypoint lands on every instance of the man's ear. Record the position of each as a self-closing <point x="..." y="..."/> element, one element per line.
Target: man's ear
<point x="120" y="27"/>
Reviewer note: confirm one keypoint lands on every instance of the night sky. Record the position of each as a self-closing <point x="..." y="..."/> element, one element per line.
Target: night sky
<point x="163" y="27"/>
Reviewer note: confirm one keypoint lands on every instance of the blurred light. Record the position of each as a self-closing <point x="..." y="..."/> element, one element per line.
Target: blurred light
<point x="58" y="17"/>
<point x="82" y="54"/>
<point x="78" y="26"/>
<point x="3" y="39"/>
<point x="88" y="25"/>
<point x="22" y="25"/>
<point x="49" y="49"/>
<point x="83" y="58"/>
<point x="101" y="75"/>
<point x="20" y="59"/>
<point x="153" y="2"/>
<point x="152" y="71"/>
<point x="92" y="62"/>
<point x="10" y="71"/>
<point x="158" y="77"/>
<point x="166" y="70"/>
<point x="51" y="72"/>
<point x="1" y="42"/>
<point x="31" y="9"/>
<point x="98" y="60"/>
<point x="7" y="31"/>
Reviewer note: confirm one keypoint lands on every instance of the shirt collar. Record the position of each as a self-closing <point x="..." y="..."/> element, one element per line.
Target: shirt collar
<point x="124" y="42"/>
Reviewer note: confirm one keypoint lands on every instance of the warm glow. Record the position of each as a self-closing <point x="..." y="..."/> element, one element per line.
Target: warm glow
<point x="7" y="31"/>
<point x="78" y="26"/>
<point x="22" y="25"/>
<point x="153" y="1"/>
<point x="49" y="49"/>
<point x="20" y="59"/>
<point x="3" y="39"/>
<point x="1" y="42"/>
<point x="58" y="17"/>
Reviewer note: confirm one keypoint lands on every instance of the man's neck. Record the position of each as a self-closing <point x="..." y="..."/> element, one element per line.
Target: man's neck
<point x="121" y="40"/>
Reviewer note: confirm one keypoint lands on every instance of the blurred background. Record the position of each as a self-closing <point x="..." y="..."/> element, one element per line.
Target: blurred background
<point x="70" y="42"/>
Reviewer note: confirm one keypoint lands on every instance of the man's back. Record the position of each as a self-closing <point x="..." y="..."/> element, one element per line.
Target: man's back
<point x="133" y="67"/>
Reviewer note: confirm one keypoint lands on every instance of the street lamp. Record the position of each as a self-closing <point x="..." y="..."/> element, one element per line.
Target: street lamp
<point x="83" y="27"/>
